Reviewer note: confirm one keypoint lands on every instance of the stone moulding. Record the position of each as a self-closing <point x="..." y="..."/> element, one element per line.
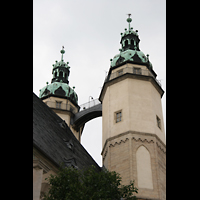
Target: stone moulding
<point x="39" y="164"/>
<point x="145" y="140"/>
<point x="161" y="148"/>
<point x="119" y="142"/>
<point x="104" y="155"/>
<point x="138" y="136"/>
<point x="44" y="161"/>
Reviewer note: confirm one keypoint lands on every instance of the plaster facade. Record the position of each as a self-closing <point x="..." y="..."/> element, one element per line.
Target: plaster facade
<point x="65" y="110"/>
<point x="134" y="146"/>
<point x="140" y="103"/>
<point x="42" y="168"/>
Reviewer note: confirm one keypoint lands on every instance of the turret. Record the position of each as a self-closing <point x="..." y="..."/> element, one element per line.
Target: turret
<point x="61" y="70"/>
<point x="133" y="138"/>
<point x="60" y="96"/>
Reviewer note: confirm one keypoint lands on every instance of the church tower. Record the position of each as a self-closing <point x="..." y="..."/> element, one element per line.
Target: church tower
<point x="133" y="138"/>
<point x="59" y="96"/>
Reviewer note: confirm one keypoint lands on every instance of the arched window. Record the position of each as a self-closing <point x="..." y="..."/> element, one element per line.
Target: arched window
<point x="132" y="42"/>
<point x="60" y="74"/>
<point x="144" y="171"/>
<point x="55" y="74"/>
<point x="126" y="42"/>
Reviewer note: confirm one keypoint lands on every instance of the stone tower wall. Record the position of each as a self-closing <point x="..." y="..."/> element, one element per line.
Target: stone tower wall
<point x="119" y="154"/>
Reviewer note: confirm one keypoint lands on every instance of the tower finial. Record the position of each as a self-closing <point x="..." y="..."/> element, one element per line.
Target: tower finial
<point x="129" y="21"/>
<point x="62" y="52"/>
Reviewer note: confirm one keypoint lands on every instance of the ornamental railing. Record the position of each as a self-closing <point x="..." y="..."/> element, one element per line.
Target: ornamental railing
<point x="89" y="104"/>
<point x="131" y="70"/>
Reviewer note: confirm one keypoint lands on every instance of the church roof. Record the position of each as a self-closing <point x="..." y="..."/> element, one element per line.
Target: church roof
<point x="53" y="137"/>
<point x="129" y="55"/>
<point x="59" y="83"/>
<point x="59" y="89"/>
<point x="130" y="51"/>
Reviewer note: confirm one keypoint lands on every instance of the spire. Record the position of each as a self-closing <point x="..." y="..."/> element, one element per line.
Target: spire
<point x="130" y="39"/>
<point x="129" y="20"/>
<point x="62" y="52"/>
<point x="59" y="85"/>
<point x="130" y="51"/>
<point x="61" y="70"/>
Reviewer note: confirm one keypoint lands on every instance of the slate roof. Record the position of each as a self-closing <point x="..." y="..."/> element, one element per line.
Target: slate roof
<point x="53" y="137"/>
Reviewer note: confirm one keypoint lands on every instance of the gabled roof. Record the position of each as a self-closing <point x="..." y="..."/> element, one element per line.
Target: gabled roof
<point x="53" y="137"/>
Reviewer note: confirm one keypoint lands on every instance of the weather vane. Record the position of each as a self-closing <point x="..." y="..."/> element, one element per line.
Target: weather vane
<point x="129" y="15"/>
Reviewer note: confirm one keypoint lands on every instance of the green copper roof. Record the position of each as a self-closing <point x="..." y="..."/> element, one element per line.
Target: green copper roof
<point x="130" y="29"/>
<point x="130" y="55"/>
<point x="59" y="83"/>
<point x="128" y="32"/>
<point x="130" y="50"/>
<point x="61" y="63"/>
<point x="59" y="89"/>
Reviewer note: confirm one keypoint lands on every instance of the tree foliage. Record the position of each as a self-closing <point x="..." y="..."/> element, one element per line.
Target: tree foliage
<point x="88" y="184"/>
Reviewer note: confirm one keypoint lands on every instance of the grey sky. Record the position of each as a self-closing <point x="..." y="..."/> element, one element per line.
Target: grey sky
<point x="90" y="32"/>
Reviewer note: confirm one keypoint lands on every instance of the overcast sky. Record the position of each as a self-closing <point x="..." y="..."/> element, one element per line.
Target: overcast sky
<point x="90" y="32"/>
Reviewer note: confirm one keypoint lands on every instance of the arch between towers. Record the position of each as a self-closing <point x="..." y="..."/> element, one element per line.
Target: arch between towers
<point x="84" y="116"/>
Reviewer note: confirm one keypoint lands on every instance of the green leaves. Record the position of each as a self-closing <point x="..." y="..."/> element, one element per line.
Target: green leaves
<point x="88" y="184"/>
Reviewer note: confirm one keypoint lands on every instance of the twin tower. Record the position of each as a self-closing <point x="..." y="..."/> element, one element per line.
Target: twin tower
<point x="133" y="138"/>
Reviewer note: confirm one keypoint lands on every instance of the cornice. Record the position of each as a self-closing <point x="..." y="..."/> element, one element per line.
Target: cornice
<point x="62" y="97"/>
<point x="43" y="161"/>
<point x="132" y="62"/>
<point x="39" y="164"/>
<point x="137" y="136"/>
<point x="161" y="147"/>
<point x="119" y="142"/>
<point x="133" y="76"/>
<point x="142" y="140"/>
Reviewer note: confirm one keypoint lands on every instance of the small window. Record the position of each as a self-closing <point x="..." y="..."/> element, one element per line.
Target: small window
<point x="137" y="70"/>
<point x="158" y="122"/>
<point x="118" y="116"/>
<point x="60" y="74"/>
<point x="132" y="42"/>
<point x="58" y="104"/>
<point x="120" y="72"/>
